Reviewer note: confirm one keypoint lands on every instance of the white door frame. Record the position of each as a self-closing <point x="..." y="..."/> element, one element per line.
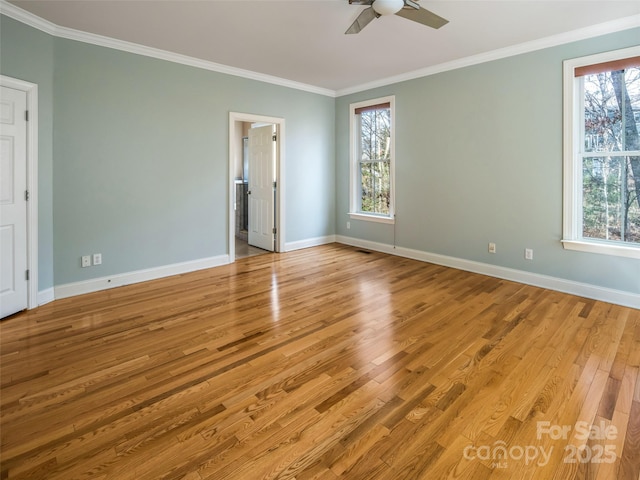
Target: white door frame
<point x="31" y="89"/>
<point x="235" y="141"/>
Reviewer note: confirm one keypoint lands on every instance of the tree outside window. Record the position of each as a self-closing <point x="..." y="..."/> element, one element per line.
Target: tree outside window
<point x="372" y="160"/>
<point x="375" y="161"/>
<point x="610" y="169"/>
<point x="601" y="196"/>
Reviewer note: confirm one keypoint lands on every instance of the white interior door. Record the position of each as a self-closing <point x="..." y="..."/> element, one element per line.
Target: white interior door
<point x="261" y="187"/>
<point x="13" y="202"/>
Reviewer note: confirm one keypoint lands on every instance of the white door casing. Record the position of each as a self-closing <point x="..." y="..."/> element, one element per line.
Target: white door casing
<point x="235" y="142"/>
<point x="261" y="187"/>
<point x="14" y="285"/>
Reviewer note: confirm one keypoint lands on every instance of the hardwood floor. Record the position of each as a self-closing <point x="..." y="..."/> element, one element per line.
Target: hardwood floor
<point x="324" y="363"/>
<point x="243" y="249"/>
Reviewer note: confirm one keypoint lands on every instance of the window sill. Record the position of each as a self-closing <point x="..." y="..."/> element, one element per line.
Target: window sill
<point x="372" y="218"/>
<point x="602" y="248"/>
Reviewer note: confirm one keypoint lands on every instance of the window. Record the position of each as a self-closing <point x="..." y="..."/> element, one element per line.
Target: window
<point x="372" y="160"/>
<point x="602" y="153"/>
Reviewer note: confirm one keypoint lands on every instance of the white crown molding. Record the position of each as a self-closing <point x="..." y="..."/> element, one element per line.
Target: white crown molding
<point x="34" y="21"/>
<point x="90" y="38"/>
<point x="10" y="10"/>
<point x="595" y="292"/>
<point x="527" y="47"/>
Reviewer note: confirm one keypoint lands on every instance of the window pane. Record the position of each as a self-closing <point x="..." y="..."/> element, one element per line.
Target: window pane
<point x="612" y="111"/>
<point x="610" y="200"/>
<point x="601" y="191"/>
<point x="375" y="161"/>
<point x="375" y="134"/>
<point x="376" y="182"/>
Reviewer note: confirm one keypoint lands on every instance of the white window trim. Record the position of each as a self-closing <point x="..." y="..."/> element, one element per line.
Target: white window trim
<point x="572" y="169"/>
<point x="371" y="217"/>
<point x="354" y="164"/>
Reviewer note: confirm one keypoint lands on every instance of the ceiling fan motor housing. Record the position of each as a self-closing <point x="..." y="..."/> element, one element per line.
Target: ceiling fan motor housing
<point x="388" y="7"/>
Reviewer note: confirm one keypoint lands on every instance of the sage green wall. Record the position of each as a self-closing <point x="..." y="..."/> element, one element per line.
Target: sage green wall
<point x="141" y="159"/>
<point x="478" y="160"/>
<point x="27" y="54"/>
<point x="134" y="155"/>
<point x="133" y="160"/>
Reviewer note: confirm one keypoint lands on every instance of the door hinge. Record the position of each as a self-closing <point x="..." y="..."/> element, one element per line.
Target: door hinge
<point x="26" y="275"/>
<point x="274" y="137"/>
<point x="26" y="195"/>
<point x="26" y="115"/>
<point x="275" y="184"/>
<point x="275" y="230"/>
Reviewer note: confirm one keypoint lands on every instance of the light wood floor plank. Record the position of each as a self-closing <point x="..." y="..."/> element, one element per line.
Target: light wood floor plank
<point x="326" y="363"/>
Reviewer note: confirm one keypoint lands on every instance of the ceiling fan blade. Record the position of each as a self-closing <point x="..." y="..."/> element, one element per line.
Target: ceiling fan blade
<point x="423" y="16"/>
<point x="360" y="2"/>
<point x="367" y="15"/>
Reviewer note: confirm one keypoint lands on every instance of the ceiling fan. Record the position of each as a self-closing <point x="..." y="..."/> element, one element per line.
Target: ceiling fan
<point x="408" y="9"/>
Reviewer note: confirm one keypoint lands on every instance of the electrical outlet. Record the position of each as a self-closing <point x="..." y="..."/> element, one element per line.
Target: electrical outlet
<point x="97" y="259"/>
<point x="528" y="253"/>
<point x="492" y="247"/>
<point x="348" y="225"/>
<point x="86" y="261"/>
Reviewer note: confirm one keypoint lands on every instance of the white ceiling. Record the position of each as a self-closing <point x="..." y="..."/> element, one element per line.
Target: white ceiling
<point x="304" y="40"/>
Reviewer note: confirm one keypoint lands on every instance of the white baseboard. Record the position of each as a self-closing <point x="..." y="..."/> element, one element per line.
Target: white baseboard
<point x="595" y="292"/>
<point x="46" y="296"/>
<point x="112" y="281"/>
<point x="310" y="242"/>
<point x="587" y="290"/>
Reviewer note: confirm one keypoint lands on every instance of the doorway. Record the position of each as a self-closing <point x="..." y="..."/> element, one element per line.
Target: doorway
<point x="256" y="158"/>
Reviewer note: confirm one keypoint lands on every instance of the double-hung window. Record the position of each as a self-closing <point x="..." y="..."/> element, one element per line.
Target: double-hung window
<point x="602" y="153"/>
<point x="372" y="160"/>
